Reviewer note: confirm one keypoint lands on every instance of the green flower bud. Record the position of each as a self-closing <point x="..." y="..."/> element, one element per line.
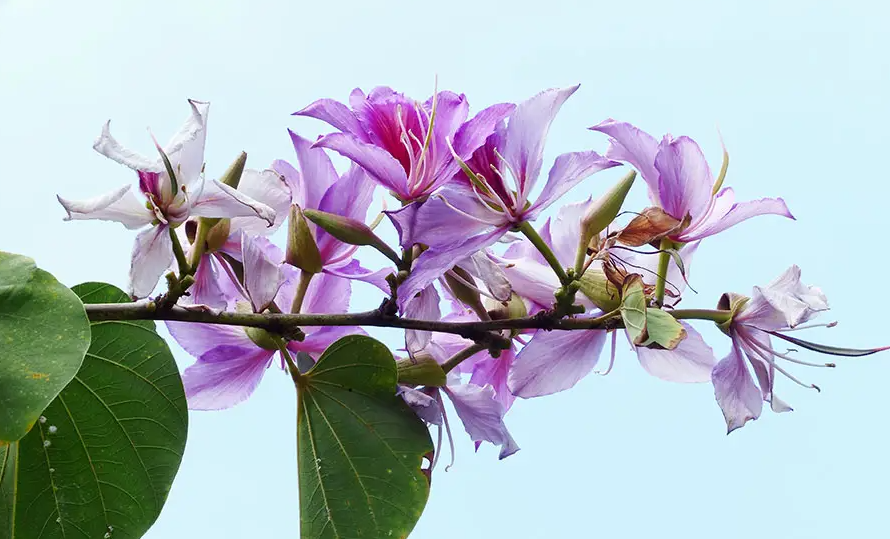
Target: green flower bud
<point x="603" y="211"/>
<point x="350" y="231"/>
<point x="261" y="338"/>
<point x="422" y="370"/>
<point x="302" y="251"/>
<point x="597" y="288"/>
<point x="464" y="293"/>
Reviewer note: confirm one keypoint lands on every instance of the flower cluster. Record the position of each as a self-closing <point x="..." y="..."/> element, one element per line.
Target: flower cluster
<point x="468" y="252"/>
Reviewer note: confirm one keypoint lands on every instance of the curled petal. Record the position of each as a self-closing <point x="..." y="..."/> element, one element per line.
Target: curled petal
<point x="152" y="255"/>
<point x="426" y="407"/>
<point x="554" y="361"/>
<point x="481" y="266"/>
<point x="738" y="397"/>
<point x="633" y="145"/>
<point x="354" y="271"/>
<point x="120" y="206"/>
<point x="108" y="146"/>
<point x="690" y="362"/>
<point x="225" y="376"/>
<point x="186" y="149"/>
<point x="269" y="188"/>
<point x="482" y="416"/>
<point x="217" y="199"/>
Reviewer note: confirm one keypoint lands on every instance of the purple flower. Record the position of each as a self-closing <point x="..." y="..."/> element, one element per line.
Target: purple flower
<point x="232" y="360"/>
<point x="782" y="305"/>
<point x="680" y="182"/>
<point x="402" y="143"/>
<point x="170" y="201"/>
<point x="481" y="208"/>
<point x="556" y="360"/>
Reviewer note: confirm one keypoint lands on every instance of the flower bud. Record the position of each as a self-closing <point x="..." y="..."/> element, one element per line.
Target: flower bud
<point x="599" y="290"/>
<point x="350" y="231"/>
<point x="459" y="283"/>
<point x="603" y="211"/>
<point x="731" y="302"/>
<point x="421" y="370"/>
<point x="218" y="235"/>
<point x="302" y="251"/>
<point x="232" y="175"/>
<point x="514" y="308"/>
<point x="261" y="338"/>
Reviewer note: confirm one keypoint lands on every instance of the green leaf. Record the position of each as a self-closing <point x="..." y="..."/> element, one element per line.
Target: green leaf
<point x="663" y="329"/>
<point x="633" y="308"/>
<point x="44" y="334"/>
<point x="104" y="454"/>
<point x="360" y="447"/>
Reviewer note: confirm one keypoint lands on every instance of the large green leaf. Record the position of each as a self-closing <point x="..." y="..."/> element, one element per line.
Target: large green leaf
<point x="104" y="453"/>
<point x="44" y="334"/>
<point x="663" y="329"/>
<point x="360" y="448"/>
<point x="633" y="308"/>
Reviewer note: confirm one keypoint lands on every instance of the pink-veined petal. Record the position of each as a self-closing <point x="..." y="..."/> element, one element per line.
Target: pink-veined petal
<point x="690" y="362"/>
<point x="318" y="339"/>
<point x="726" y="213"/>
<point x="494" y="371"/>
<point x="152" y="255"/>
<point x="108" y="146"/>
<point x="685" y="183"/>
<point x="633" y="145"/>
<point x="334" y="113"/>
<point x="568" y="170"/>
<point x="554" y="361"/>
<point x="266" y="187"/>
<point x="423" y="306"/>
<point x="382" y="166"/>
<point x="206" y="289"/>
<point x="433" y="263"/>
<point x="198" y="339"/>
<point x="526" y="132"/>
<point x="217" y="199"/>
<point x="120" y="206"/>
<point x="225" y="376"/>
<point x="262" y="277"/>
<point x="473" y="133"/>
<point x="482" y="416"/>
<point x="738" y="397"/>
<point x="451" y="217"/>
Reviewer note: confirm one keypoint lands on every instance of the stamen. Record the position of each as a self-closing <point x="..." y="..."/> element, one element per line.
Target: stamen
<point x="808" y="326"/>
<point x="758" y="350"/>
<point x="521" y="195"/>
<point x="611" y="356"/>
<point x="474" y="178"/>
<point x="512" y="202"/>
<point x="231" y="274"/>
<point x="447" y="429"/>
<point x="465" y="214"/>
<point x="785" y="356"/>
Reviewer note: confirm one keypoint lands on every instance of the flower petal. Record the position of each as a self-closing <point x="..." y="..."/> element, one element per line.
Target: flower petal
<point x="482" y="416"/>
<point x="262" y="277"/>
<point x="690" y="362"/>
<point x="334" y="113"/>
<point x="526" y="132"/>
<point x="423" y="306"/>
<point x="206" y="289"/>
<point x="685" y="183"/>
<point x="354" y="270"/>
<point x="426" y="407"/>
<point x="120" y="206"/>
<point x="494" y="371"/>
<point x="535" y="281"/>
<point x="473" y="133"/>
<point x="225" y="376"/>
<point x="633" y="145"/>
<point x="317" y="173"/>
<point x="318" y="339"/>
<point x="267" y="187"/>
<point x="186" y="149"/>
<point x="565" y="231"/>
<point x="451" y="217"/>
<point x="108" y="146"/>
<point x="433" y="263"/>
<point x="152" y="255"/>
<point x="217" y="199"/>
<point x="382" y="166"/>
<point x="198" y="339"/>
<point x="482" y="266"/>
<point x="726" y="213"/>
<point x="554" y="361"/>
<point x="568" y="170"/>
<point x="350" y="197"/>
<point x="327" y="294"/>
<point x="738" y="397"/>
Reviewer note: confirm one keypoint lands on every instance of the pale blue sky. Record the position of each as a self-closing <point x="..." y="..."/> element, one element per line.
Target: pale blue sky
<point x="798" y="90"/>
